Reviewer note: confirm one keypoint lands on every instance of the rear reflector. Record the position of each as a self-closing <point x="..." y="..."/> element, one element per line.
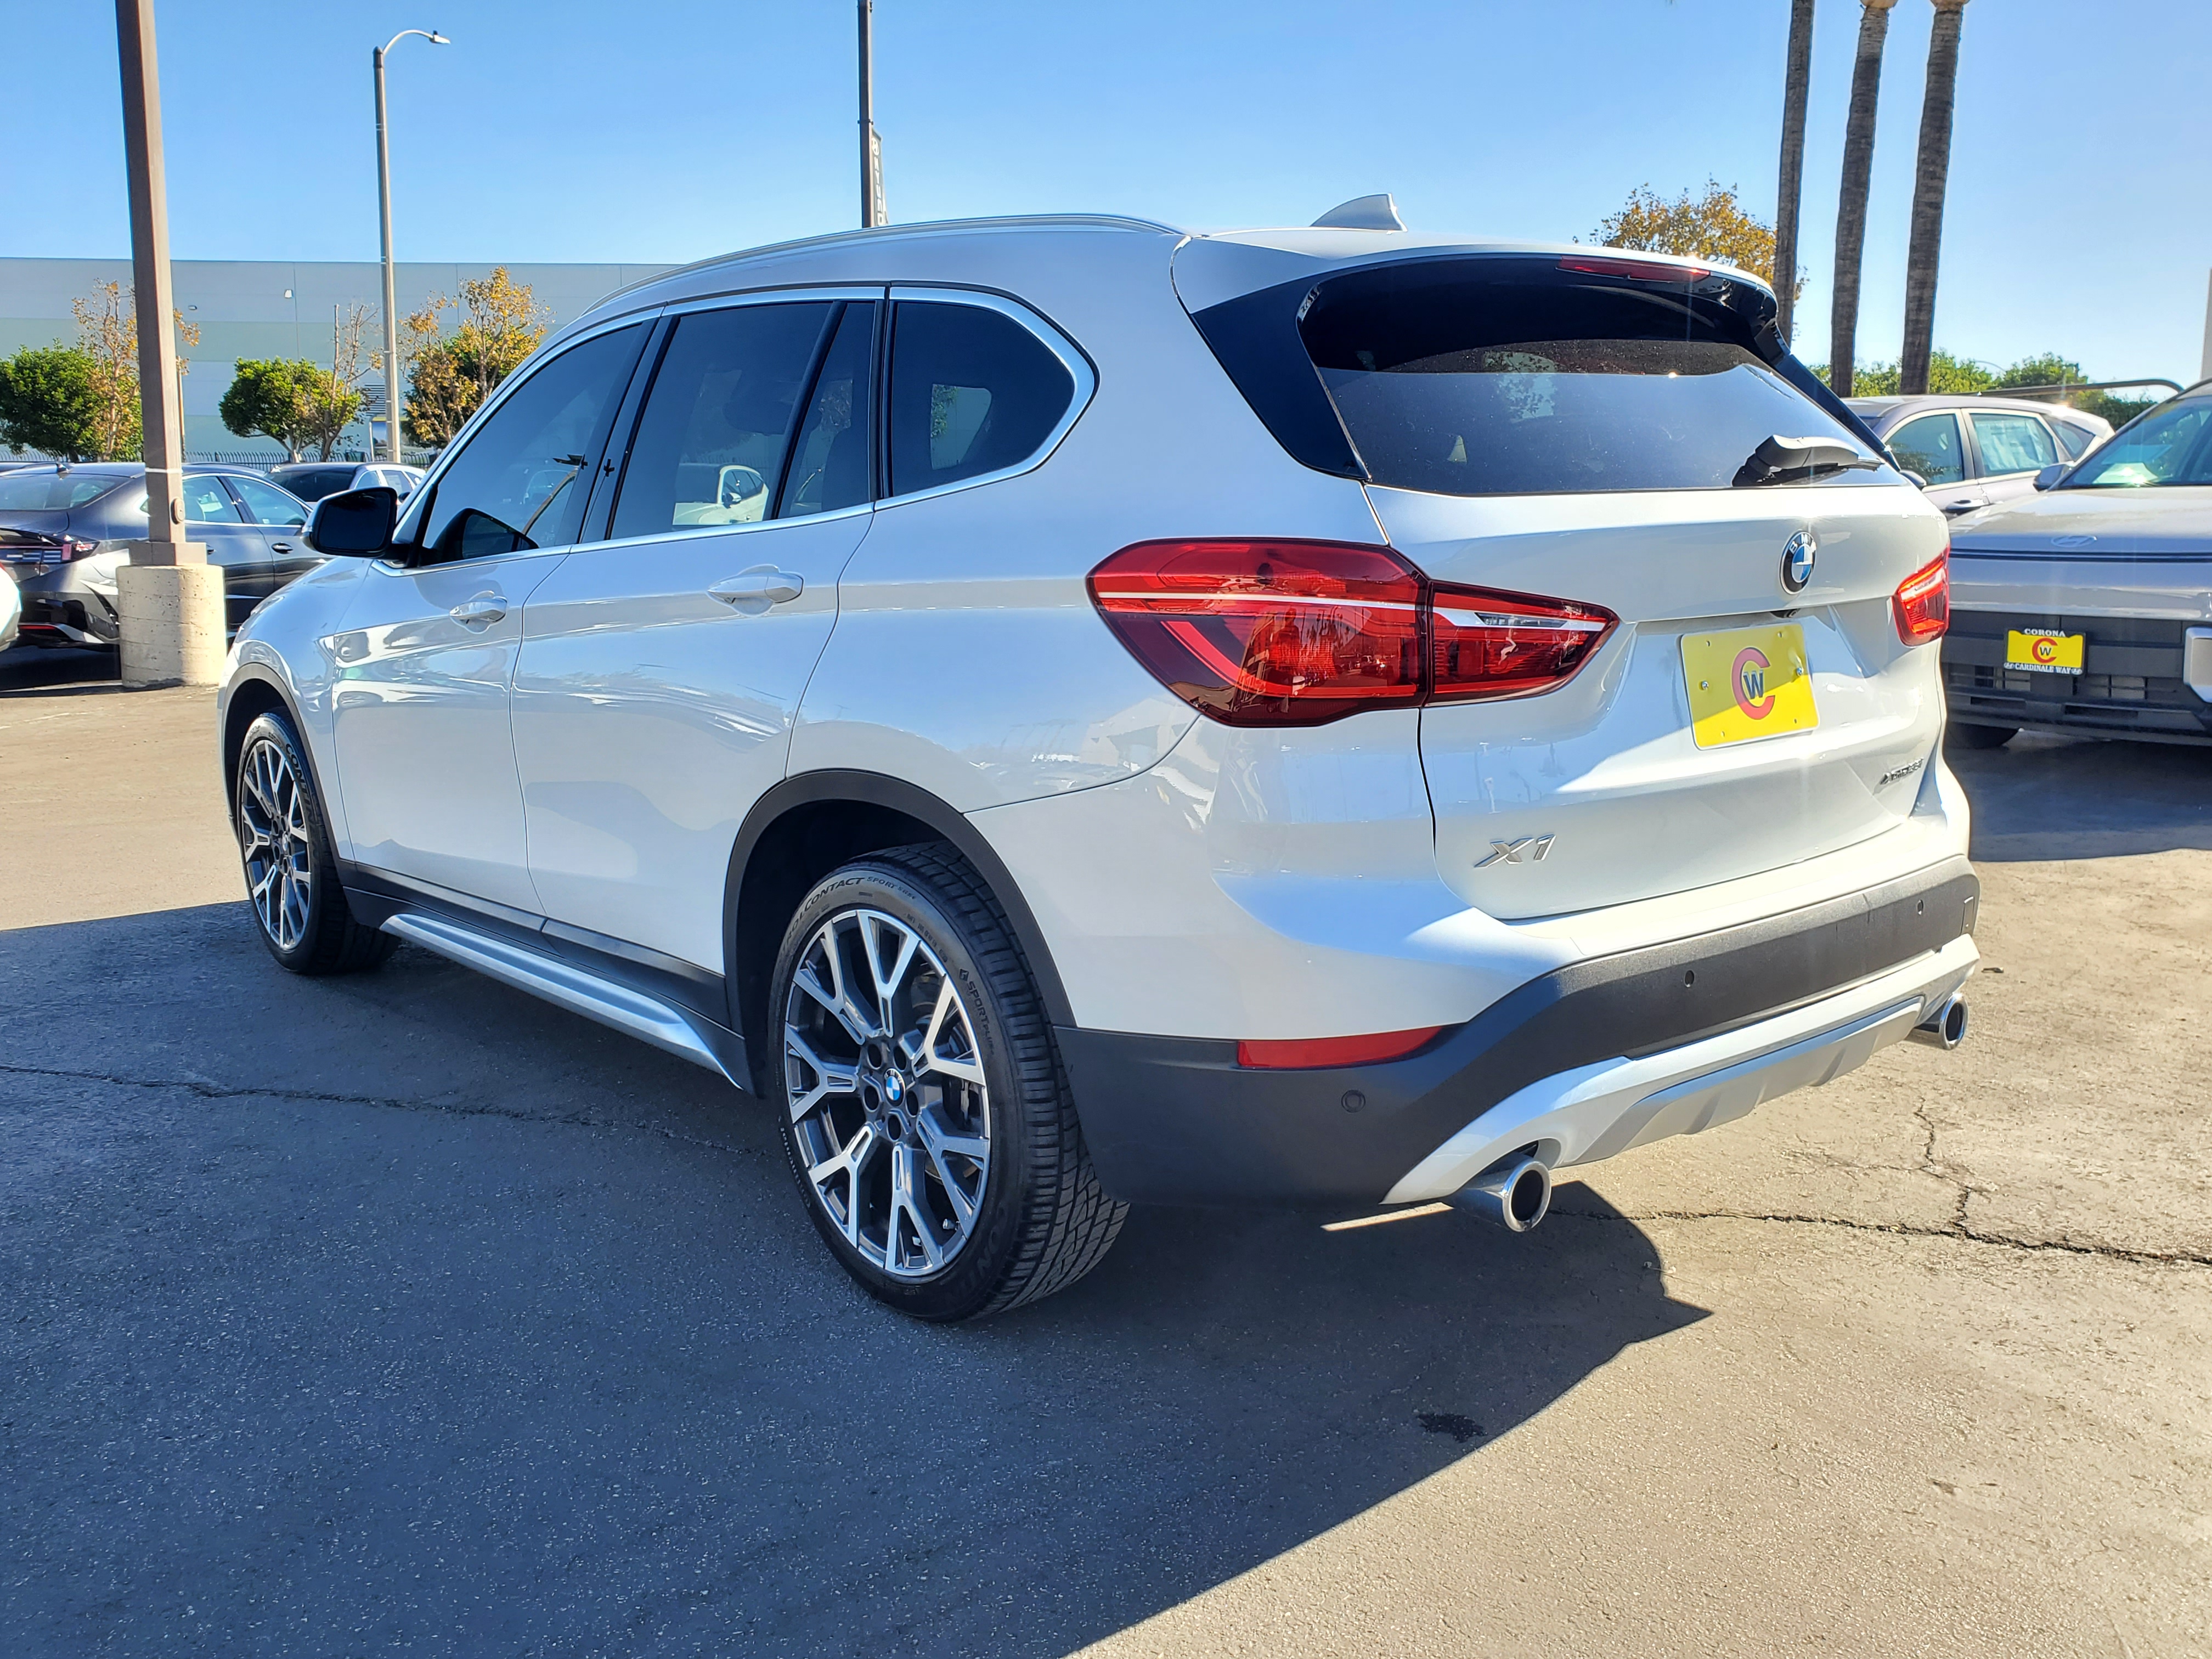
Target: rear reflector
<point x="1298" y="633"/>
<point x="1922" y="603"/>
<point x="1305" y="1052"/>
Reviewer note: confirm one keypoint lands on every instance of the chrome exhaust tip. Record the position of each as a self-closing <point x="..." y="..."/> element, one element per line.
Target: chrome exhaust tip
<point x="1516" y="1195"/>
<point x="1947" y="1027"/>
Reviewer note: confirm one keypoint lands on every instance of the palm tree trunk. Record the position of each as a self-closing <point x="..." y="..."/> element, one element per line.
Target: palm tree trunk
<point x="1930" y="177"/>
<point x="1796" y="79"/>
<point x="1851" y="203"/>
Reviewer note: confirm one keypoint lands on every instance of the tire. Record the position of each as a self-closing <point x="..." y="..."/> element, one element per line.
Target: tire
<point x="291" y="871"/>
<point x="1980" y="737"/>
<point x="957" y="1099"/>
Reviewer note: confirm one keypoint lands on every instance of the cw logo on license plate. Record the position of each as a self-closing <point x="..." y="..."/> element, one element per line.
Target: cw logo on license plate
<point x="1748" y="682"/>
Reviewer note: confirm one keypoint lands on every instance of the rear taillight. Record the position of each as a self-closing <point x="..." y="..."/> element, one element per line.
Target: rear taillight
<point x="1921" y="603"/>
<point x="1299" y="1051"/>
<point x="1640" y="270"/>
<point x="74" y="548"/>
<point x="1269" y="633"/>
<point x="1298" y="633"/>
<point x="1507" y="645"/>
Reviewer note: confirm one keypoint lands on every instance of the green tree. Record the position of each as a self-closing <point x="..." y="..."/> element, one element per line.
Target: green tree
<point x="449" y="375"/>
<point x="1712" y="226"/>
<point x="48" y="403"/>
<point x="270" y="397"/>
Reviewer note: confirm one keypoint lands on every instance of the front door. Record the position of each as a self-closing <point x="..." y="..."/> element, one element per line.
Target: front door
<point x="423" y="663"/>
<point x="661" y="669"/>
<point x="280" y="518"/>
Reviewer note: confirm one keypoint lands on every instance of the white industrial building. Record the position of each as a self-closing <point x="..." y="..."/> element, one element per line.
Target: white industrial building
<point x="260" y="308"/>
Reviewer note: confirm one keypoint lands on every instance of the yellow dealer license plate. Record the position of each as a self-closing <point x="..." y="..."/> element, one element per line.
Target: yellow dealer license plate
<point x="1748" y="682"/>
<point x="2045" y="650"/>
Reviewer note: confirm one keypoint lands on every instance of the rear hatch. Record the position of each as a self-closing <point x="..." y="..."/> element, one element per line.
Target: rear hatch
<point x="36" y="505"/>
<point x="1598" y="431"/>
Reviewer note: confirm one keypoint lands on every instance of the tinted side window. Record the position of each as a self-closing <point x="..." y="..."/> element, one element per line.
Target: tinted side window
<point x="206" y="503"/>
<point x="709" y="445"/>
<point x="829" y="463"/>
<point x="267" y="503"/>
<point x="1929" y="446"/>
<point x="2073" y="438"/>
<point x="2013" y="443"/>
<point x="972" y="391"/>
<point x="520" y="483"/>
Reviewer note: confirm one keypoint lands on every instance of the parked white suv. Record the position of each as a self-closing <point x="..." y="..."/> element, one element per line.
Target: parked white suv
<point x="1075" y="712"/>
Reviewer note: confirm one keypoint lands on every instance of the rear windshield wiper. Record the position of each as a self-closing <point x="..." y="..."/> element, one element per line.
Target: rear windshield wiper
<point x="1784" y="460"/>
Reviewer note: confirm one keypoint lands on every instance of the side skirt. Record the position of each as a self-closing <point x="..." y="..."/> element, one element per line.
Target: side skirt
<point x="629" y="990"/>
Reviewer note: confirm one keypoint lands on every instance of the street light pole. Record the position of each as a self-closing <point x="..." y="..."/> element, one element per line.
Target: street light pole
<point x="872" y="155"/>
<point x="384" y="207"/>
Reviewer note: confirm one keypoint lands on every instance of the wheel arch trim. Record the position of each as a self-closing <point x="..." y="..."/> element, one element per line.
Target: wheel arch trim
<point x="894" y="794"/>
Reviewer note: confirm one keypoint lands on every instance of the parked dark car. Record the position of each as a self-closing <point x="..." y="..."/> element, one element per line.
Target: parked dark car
<point x="312" y="480"/>
<point x="64" y="532"/>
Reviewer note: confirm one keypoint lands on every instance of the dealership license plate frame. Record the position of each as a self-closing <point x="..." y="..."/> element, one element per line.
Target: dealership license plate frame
<point x="2064" y="651"/>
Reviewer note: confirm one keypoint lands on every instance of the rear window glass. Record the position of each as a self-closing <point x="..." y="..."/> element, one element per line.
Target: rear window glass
<point x="316" y="483"/>
<point x="53" y="492"/>
<point x="1462" y="380"/>
<point x="972" y="391"/>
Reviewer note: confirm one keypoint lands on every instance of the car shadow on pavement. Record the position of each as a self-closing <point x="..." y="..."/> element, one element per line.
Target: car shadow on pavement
<point x="402" y="1310"/>
<point x="2047" y="798"/>
<point x="30" y="670"/>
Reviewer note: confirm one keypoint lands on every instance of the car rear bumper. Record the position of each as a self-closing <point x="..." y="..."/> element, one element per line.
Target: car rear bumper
<point x="1577" y="1059"/>
<point x="2141" y="676"/>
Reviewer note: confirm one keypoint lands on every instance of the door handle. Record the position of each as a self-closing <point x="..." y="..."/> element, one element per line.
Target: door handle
<point x="1954" y="508"/>
<point x="280" y="547"/>
<point x="482" y="610"/>
<point x="753" y="591"/>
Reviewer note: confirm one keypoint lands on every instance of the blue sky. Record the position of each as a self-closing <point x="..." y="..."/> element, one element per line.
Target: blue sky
<point x="2078" y="218"/>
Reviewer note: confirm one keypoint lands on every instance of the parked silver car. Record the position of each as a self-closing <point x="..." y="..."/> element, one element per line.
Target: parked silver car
<point x="1977" y="452"/>
<point x="2088" y="605"/>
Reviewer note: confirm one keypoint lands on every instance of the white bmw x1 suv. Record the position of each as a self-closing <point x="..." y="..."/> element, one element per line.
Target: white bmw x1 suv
<point x="1074" y="713"/>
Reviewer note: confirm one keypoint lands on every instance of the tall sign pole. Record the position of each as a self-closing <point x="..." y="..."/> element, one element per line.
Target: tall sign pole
<point x="391" y="296"/>
<point x="871" y="149"/>
<point x="153" y="296"/>
<point x="169" y="599"/>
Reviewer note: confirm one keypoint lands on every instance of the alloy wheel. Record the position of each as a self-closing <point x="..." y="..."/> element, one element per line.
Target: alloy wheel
<point x="889" y="1104"/>
<point x="272" y="815"/>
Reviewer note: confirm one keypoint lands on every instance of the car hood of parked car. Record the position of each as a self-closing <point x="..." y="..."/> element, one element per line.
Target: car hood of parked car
<point x="2156" y="518"/>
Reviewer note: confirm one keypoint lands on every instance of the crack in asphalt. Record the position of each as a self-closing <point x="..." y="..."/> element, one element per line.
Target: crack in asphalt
<point x="388" y="1102"/>
<point x="1908" y="1229"/>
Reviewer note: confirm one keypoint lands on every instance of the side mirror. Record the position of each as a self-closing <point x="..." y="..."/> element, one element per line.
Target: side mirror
<point x="2050" y="475"/>
<point x="357" y="524"/>
<point x="1915" y="479"/>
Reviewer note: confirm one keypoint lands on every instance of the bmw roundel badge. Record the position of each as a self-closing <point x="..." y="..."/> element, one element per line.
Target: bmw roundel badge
<point x="1798" y="561"/>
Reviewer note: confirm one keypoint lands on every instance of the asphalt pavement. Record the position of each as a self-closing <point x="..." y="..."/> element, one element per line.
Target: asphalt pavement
<point x="403" y="1314"/>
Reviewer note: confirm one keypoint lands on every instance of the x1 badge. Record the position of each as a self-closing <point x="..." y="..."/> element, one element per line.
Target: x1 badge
<point x="1510" y="852"/>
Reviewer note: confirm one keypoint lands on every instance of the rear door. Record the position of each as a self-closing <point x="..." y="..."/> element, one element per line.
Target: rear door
<point x="2013" y="447"/>
<point x="1590" y="431"/>
<point x="662" y="666"/>
<point x="1933" y="447"/>
<point x="280" y="518"/>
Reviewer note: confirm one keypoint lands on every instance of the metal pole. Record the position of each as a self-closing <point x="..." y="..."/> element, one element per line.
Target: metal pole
<point x="391" y="298"/>
<point x="153" y="295"/>
<point x="869" y="188"/>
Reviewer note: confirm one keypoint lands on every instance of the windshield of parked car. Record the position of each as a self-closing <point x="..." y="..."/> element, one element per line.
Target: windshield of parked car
<point x="53" y="492"/>
<point x="1474" y="378"/>
<point x="2169" y="445"/>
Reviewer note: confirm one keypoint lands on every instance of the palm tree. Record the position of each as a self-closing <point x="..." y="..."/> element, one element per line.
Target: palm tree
<point x="1928" y="179"/>
<point x="1796" y="79"/>
<point x="1851" y="204"/>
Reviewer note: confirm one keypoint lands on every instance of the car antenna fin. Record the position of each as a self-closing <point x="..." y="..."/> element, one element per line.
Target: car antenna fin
<point x="1362" y="213"/>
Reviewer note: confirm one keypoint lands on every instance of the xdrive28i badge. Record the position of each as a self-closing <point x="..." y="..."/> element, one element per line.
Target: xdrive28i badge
<point x="1797" y="555"/>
